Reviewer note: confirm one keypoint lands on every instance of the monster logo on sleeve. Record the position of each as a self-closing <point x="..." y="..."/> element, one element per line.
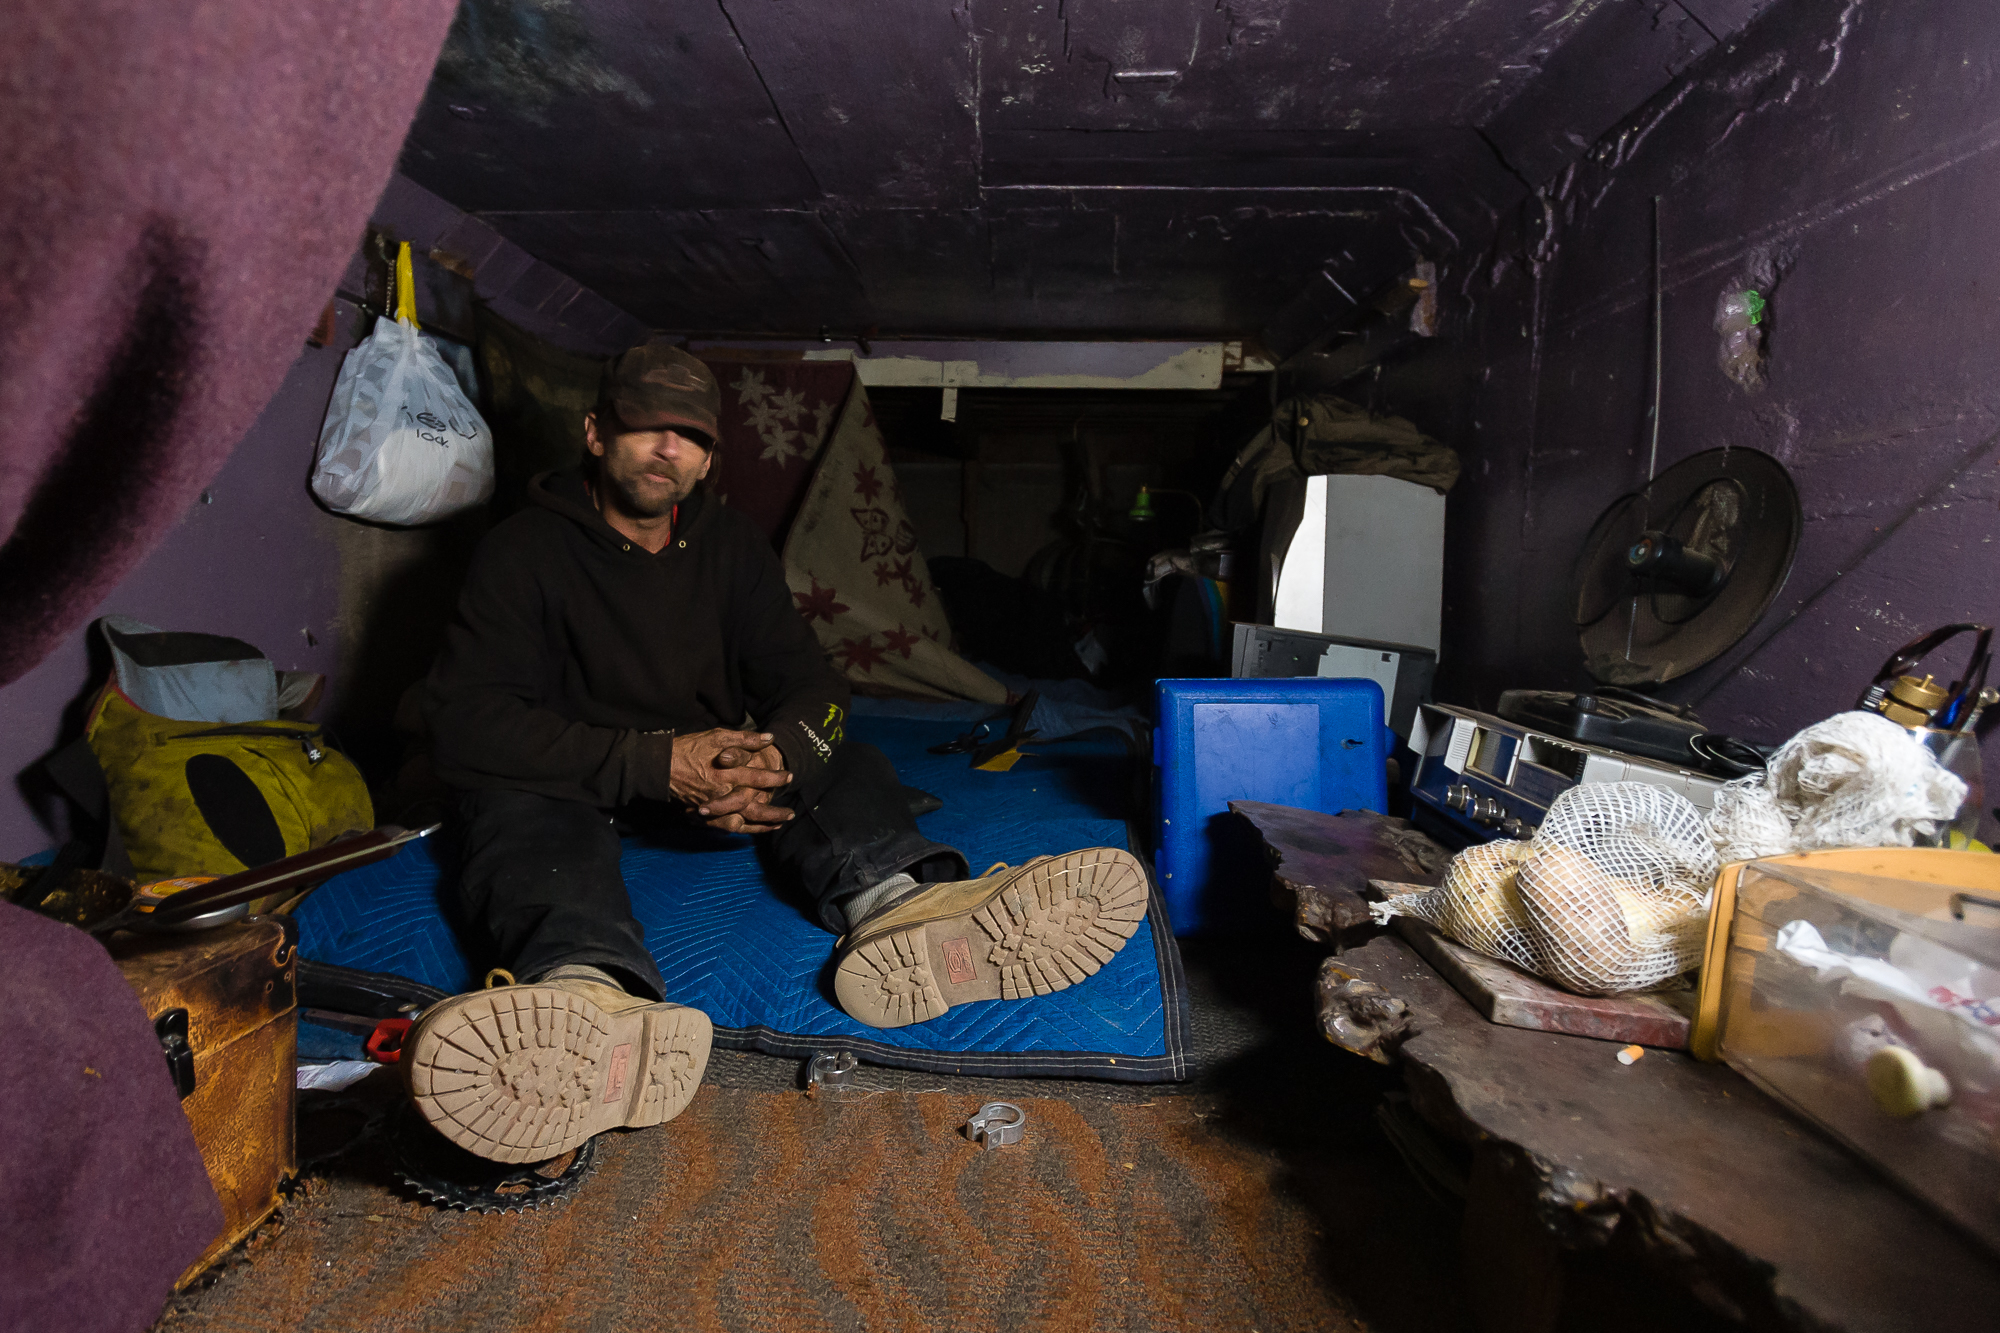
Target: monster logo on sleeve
<point x="834" y="728"/>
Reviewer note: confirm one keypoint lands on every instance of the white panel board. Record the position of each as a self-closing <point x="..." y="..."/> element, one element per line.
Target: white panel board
<point x="1347" y="661"/>
<point x="1037" y="365"/>
<point x="1383" y="574"/>
<point x="1300" y="599"/>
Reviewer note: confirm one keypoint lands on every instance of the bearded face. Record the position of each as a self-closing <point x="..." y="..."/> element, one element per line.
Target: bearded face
<point x="645" y="472"/>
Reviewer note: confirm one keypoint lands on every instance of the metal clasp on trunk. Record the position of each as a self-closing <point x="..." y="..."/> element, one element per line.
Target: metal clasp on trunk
<point x="172" y="1029"/>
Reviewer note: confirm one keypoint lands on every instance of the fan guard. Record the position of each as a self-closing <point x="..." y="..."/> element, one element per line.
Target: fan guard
<point x="1674" y="574"/>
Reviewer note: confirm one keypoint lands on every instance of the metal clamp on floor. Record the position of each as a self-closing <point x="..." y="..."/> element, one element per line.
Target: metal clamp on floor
<point x="831" y="1069"/>
<point x="997" y="1124"/>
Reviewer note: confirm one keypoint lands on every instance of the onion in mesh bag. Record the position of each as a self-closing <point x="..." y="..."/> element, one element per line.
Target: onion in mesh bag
<point x="1477" y="905"/>
<point x="1615" y="888"/>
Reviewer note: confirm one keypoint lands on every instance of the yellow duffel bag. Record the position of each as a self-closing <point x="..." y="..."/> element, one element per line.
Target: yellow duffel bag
<point x="205" y="798"/>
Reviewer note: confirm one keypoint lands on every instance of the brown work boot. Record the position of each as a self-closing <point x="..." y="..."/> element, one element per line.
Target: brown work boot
<point x="525" y="1073"/>
<point x="1007" y="935"/>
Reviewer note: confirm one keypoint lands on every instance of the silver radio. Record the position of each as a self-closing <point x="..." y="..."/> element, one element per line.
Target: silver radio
<point x="1491" y="778"/>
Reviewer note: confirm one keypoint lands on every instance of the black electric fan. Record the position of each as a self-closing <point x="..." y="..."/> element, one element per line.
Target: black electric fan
<point x="1675" y="574"/>
<point x="1670" y="577"/>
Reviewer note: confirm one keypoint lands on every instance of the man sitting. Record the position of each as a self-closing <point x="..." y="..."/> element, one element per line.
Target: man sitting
<point x="613" y="643"/>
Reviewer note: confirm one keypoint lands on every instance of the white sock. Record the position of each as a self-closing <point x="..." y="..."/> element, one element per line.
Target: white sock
<point x="874" y="898"/>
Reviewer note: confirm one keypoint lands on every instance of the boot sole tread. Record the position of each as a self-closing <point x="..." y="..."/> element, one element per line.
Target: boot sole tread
<point x="1043" y="930"/>
<point x="525" y="1073"/>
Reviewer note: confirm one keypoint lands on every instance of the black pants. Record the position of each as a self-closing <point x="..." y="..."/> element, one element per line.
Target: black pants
<point x="540" y="875"/>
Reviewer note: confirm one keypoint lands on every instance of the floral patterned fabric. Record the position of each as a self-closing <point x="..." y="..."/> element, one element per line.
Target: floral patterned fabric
<point x="852" y="561"/>
<point x="801" y="456"/>
<point x="776" y="416"/>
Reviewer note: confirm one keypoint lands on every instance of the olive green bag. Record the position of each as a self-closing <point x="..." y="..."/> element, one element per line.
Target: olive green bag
<point x="234" y="787"/>
<point x="198" y="798"/>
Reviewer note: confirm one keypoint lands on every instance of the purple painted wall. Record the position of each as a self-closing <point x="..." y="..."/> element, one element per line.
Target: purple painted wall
<point x="1842" y="158"/>
<point x="259" y="560"/>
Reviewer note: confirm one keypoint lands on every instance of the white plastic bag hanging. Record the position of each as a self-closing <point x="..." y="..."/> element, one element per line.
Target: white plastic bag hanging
<point x="401" y="443"/>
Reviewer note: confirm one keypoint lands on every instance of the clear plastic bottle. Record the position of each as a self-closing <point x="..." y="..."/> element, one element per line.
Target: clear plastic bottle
<point x="1957" y="752"/>
<point x="1739" y="315"/>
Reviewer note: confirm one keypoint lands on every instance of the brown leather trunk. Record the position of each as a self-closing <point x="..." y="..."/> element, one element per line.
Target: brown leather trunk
<point x="238" y="986"/>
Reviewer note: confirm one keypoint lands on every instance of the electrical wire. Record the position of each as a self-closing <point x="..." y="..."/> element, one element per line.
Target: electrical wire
<point x="1659" y="357"/>
<point x="1727" y="756"/>
<point x="1659" y="362"/>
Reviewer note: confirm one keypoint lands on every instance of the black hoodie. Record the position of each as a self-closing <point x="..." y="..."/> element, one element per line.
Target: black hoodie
<point x="575" y="650"/>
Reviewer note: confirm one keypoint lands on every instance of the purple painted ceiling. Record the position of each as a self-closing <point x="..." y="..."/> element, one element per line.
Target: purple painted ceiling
<point x="1163" y="167"/>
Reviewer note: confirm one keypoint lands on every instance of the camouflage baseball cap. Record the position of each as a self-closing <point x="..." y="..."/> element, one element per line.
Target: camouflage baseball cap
<point x="657" y="386"/>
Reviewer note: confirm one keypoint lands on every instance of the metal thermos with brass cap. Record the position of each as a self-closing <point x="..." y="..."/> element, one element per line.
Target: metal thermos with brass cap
<point x="1911" y="702"/>
<point x="1940" y="716"/>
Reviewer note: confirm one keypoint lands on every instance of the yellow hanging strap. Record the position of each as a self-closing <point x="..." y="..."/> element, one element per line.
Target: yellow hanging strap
<point x="406" y="287"/>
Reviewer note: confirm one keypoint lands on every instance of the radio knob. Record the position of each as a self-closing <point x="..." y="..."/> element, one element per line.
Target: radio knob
<point x="1458" y="796"/>
<point x="1486" y="810"/>
<point x="1512" y="827"/>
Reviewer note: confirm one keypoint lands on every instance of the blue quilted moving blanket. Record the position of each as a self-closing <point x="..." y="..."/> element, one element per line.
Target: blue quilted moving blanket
<point x="754" y="959"/>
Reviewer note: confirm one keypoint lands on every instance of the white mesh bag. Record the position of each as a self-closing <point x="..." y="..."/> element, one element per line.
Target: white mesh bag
<point x="1610" y="896"/>
<point x="1616" y="887"/>
<point x="1744" y="821"/>
<point x="1478" y="905"/>
<point x="1854" y="780"/>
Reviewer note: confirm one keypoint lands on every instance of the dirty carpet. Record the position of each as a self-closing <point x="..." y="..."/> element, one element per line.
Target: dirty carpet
<point x="772" y="1210"/>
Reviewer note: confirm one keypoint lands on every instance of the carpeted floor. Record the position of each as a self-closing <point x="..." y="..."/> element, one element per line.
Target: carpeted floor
<point x="772" y="1211"/>
<point x="1260" y="1197"/>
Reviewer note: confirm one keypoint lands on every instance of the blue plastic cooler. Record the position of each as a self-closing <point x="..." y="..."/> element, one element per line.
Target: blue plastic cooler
<point x="1302" y="741"/>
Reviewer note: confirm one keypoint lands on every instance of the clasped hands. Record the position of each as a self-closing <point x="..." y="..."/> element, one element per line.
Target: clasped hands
<point x="727" y="779"/>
